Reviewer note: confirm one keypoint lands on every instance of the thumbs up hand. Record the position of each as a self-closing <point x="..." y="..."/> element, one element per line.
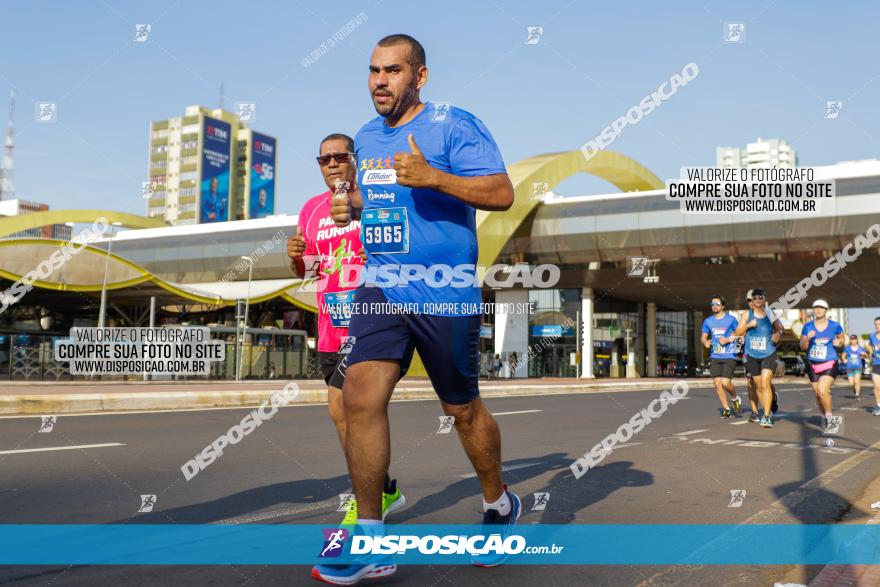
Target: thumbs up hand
<point x="413" y="169"/>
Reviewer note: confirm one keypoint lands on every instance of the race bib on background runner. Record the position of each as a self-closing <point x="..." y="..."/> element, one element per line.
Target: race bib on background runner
<point x="819" y="352"/>
<point x="339" y="307"/>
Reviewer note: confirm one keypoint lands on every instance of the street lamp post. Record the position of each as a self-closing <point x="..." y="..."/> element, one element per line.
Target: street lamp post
<point x="247" y="301"/>
<point x="103" y="307"/>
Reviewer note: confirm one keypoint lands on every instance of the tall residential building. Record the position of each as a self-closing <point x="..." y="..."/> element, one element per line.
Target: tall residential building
<point x="207" y="166"/>
<point x="762" y="153"/>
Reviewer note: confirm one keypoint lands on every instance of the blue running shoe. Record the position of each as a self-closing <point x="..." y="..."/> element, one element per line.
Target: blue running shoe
<point x="504" y="529"/>
<point x="351" y="574"/>
<point x="366" y="566"/>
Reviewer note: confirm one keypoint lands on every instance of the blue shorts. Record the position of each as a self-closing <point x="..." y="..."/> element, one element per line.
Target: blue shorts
<point x="449" y="346"/>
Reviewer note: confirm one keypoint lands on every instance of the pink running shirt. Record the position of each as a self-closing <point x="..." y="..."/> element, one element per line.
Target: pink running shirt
<point x="329" y="251"/>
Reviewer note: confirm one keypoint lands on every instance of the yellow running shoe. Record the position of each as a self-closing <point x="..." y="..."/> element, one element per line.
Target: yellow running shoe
<point x="391" y="502"/>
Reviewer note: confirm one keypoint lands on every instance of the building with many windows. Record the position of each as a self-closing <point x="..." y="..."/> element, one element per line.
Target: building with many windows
<point x="762" y="153"/>
<point x="207" y="166"/>
<point x="18" y="207"/>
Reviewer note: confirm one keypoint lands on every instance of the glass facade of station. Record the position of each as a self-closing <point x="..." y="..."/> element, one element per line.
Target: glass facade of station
<point x="613" y="320"/>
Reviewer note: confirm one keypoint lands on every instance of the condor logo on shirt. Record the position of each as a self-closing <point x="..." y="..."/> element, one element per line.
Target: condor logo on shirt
<point x="379" y="176"/>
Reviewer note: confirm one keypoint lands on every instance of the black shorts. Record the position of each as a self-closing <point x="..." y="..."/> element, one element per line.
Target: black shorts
<point x="449" y="346"/>
<point x="754" y="366"/>
<point x="722" y="368"/>
<point x="333" y="368"/>
<point x="814" y="377"/>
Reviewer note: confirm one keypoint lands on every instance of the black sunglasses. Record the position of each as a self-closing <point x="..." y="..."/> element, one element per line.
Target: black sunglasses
<point x="339" y="157"/>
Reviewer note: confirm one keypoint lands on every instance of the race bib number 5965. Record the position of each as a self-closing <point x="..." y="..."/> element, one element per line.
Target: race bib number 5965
<point x="385" y="230"/>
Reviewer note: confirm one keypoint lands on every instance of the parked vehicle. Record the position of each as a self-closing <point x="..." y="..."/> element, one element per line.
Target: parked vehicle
<point x="794" y="365"/>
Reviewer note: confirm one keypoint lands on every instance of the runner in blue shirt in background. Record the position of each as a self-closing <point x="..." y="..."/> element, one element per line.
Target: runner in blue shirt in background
<point x="718" y="337"/>
<point x="819" y="337"/>
<point x="855" y="354"/>
<point x="762" y="331"/>
<point x="875" y="363"/>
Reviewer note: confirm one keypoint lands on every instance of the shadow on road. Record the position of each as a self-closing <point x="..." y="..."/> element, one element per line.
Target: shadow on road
<point x="567" y="494"/>
<point x="814" y="504"/>
<point x="305" y="491"/>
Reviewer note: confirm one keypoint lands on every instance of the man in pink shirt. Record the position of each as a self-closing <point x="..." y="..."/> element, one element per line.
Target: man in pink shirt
<point x="332" y="255"/>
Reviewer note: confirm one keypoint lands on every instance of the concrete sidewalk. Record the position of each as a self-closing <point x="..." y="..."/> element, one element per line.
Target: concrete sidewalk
<point x="114" y="396"/>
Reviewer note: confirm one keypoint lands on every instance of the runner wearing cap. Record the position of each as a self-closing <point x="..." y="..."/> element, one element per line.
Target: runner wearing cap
<point x="718" y="337"/>
<point x="750" y="381"/>
<point x="762" y="331"/>
<point x="855" y="354"/>
<point x="875" y="363"/>
<point x="819" y="338"/>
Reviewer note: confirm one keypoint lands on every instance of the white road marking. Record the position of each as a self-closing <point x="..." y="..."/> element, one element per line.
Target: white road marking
<point x="689" y="432"/>
<point x="519" y="412"/>
<point x="48" y="448"/>
<point x="627" y="445"/>
<point x="281" y="512"/>
<point x="505" y="468"/>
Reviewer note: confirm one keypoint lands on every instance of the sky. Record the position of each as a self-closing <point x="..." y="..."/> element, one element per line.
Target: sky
<point x="592" y="63"/>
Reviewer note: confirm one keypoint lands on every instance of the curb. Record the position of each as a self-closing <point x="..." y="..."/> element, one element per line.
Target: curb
<point x="73" y="403"/>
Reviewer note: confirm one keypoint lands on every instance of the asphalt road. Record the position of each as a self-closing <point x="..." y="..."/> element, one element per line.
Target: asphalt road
<point x="680" y="469"/>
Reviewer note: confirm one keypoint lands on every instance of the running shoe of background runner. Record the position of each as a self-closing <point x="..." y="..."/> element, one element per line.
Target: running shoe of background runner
<point x="391" y="502"/>
<point x="737" y="406"/>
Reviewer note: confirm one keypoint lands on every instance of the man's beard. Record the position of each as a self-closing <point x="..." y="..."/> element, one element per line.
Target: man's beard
<point x="395" y="107"/>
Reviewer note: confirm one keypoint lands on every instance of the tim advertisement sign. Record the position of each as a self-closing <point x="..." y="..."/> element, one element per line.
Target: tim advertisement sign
<point x="214" y="205"/>
<point x="261" y="199"/>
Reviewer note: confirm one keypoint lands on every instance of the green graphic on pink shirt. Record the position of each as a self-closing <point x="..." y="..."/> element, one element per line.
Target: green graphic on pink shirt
<point x="336" y="257"/>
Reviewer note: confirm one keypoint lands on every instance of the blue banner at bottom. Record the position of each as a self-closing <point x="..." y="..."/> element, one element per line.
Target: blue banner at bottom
<point x="295" y="544"/>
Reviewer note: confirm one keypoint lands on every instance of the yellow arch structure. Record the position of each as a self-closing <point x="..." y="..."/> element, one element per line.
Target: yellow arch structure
<point x="14" y="224"/>
<point x="495" y="228"/>
<point x="122" y="274"/>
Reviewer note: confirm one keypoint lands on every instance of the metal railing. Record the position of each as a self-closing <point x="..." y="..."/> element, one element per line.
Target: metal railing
<point x="266" y="353"/>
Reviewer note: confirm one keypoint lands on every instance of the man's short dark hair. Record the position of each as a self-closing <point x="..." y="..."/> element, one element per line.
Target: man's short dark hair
<point x="719" y="298"/>
<point x="349" y="142"/>
<point x="416" y="51"/>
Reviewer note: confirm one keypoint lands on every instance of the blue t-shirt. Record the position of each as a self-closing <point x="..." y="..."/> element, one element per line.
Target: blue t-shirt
<point x="718" y="328"/>
<point x="420" y="227"/>
<point x="821" y="347"/>
<point x="875" y="344"/>
<point x="757" y="341"/>
<point x="854" y="356"/>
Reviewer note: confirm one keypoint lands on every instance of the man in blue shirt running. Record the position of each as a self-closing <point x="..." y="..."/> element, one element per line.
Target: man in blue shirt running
<point x="423" y="173"/>
<point x="718" y="337"/>
<point x="875" y="363"/>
